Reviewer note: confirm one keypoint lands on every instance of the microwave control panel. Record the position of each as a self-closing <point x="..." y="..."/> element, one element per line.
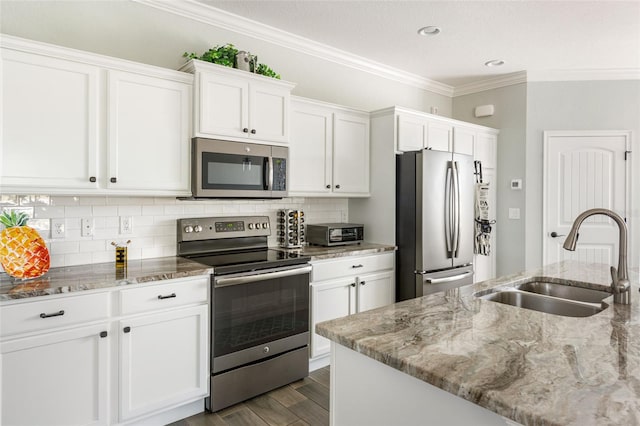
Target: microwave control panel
<point x="279" y="174"/>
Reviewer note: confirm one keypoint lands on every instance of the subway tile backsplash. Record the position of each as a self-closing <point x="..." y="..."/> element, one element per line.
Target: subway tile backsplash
<point x="154" y="221"/>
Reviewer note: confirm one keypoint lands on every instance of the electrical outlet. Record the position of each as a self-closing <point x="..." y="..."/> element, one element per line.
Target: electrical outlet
<point x="126" y="224"/>
<point x="57" y="228"/>
<point x="88" y="225"/>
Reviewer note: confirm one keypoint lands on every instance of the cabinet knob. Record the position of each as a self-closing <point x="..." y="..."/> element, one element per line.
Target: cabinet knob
<point x="328" y="186"/>
<point x="362" y="282"/>
<point x="245" y="130"/>
<point x="253" y="131"/>
<point x="92" y="179"/>
<point x="103" y="334"/>
<point x="126" y="329"/>
<point x="337" y="186"/>
<point x="113" y="180"/>
<point x="352" y="284"/>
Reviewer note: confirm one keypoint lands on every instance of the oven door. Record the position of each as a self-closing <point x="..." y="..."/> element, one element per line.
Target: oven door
<point x="237" y="169"/>
<point x="258" y="315"/>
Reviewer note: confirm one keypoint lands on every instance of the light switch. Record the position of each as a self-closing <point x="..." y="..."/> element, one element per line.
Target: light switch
<point x="514" y="213"/>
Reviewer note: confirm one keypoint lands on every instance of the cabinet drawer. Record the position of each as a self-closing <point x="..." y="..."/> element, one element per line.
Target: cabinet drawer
<point x="59" y="312"/>
<point x="167" y="295"/>
<point x="356" y="265"/>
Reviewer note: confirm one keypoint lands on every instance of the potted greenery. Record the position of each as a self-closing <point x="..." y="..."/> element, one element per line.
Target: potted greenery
<point x="226" y="55"/>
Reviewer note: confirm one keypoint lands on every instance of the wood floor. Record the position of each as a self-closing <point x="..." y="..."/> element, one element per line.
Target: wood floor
<point x="302" y="403"/>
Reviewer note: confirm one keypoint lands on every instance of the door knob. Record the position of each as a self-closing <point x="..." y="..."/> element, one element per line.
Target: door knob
<point x="554" y="234"/>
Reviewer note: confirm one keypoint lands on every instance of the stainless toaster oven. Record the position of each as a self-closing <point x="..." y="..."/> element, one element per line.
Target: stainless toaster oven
<point x="334" y="234"/>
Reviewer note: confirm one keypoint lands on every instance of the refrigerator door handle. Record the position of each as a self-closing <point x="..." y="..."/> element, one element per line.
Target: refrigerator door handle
<point x="448" y="207"/>
<point x="447" y="279"/>
<point x="456" y="210"/>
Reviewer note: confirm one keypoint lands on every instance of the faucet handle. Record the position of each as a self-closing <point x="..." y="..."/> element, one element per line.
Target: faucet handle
<point x="614" y="277"/>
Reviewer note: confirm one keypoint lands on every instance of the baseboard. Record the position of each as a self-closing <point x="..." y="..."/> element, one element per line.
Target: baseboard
<point x="319" y="362"/>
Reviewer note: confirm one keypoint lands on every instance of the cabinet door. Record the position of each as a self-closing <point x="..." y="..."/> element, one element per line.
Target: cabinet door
<point x="148" y="119"/>
<point x="463" y="140"/>
<point x="485" y="150"/>
<point x="310" y="149"/>
<point x="439" y="136"/>
<point x="268" y="112"/>
<point x="350" y="154"/>
<point x="330" y="300"/>
<point x="163" y="360"/>
<point x="412" y="133"/>
<point x="57" y="378"/>
<point x="223" y="106"/>
<point x="375" y="290"/>
<point x="49" y="124"/>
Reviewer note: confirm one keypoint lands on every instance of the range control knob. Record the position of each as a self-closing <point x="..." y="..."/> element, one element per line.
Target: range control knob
<point x="265" y="225"/>
<point x="257" y="225"/>
<point x="188" y="229"/>
<point x="197" y="228"/>
<point x="250" y="226"/>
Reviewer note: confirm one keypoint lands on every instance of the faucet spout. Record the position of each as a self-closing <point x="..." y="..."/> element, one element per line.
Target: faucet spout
<point x="620" y="286"/>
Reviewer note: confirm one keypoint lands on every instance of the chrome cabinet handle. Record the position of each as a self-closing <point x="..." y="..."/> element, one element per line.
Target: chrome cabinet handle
<point x="161" y="297"/>
<point x="56" y="314"/>
<point x="554" y="234"/>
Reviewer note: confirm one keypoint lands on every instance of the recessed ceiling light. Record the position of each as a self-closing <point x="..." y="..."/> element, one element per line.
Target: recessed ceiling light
<point x="429" y="31"/>
<point x="494" y="63"/>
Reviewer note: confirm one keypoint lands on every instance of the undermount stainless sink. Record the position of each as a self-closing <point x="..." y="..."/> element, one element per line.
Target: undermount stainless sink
<point x="551" y="298"/>
<point x="564" y="291"/>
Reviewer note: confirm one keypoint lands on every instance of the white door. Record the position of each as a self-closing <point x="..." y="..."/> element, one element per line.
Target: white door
<point x="269" y="112"/>
<point x="463" y="140"/>
<point x="148" y="119"/>
<point x="223" y="106"/>
<point x="310" y="149"/>
<point x="163" y="360"/>
<point x="412" y="132"/>
<point x="375" y="290"/>
<point x="56" y="378"/>
<point x="49" y="122"/>
<point x="350" y="154"/>
<point x="330" y="300"/>
<point x="439" y="136"/>
<point x="584" y="170"/>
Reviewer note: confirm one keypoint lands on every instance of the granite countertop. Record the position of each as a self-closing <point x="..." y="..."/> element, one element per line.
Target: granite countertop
<point x="99" y="276"/>
<point x="321" y="252"/>
<point x="531" y="367"/>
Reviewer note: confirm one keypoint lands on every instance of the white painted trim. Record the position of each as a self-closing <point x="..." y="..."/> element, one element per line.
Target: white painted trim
<point x="65" y="53"/>
<point x="628" y="214"/>
<point x="491" y="83"/>
<point x="219" y="18"/>
<point x="584" y="75"/>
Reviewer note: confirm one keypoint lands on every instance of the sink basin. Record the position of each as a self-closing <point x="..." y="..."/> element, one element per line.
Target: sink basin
<point x="564" y="291"/>
<point x="543" y="303"/>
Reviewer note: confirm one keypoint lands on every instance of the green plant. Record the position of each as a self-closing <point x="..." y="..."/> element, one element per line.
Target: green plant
<point x="221" y="55"/>
<point x="264" y="69"/>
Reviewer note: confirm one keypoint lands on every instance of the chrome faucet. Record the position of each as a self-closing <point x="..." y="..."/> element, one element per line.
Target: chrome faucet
<point x="620" y="285"/>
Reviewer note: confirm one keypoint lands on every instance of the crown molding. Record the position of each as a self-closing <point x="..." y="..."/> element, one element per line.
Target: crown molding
<point x="584" y="75"/>
<point x="491" y="83"/>
<point x="219" y="18"/>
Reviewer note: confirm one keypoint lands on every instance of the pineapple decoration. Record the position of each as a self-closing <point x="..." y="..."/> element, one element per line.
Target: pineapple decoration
<point x="23" y="253"/>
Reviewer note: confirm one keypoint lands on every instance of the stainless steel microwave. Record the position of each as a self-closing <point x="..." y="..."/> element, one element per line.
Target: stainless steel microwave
<point x="224" y="169"/>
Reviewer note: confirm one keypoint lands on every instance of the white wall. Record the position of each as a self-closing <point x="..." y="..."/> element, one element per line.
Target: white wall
<point x="510" y="118"/>
<point x="578" y="105"/>
<point x="140" y="33"/>
<point x="154" y="221"/>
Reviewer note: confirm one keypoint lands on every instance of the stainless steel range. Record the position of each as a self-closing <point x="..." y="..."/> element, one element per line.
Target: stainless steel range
<point x="259" y="306"/>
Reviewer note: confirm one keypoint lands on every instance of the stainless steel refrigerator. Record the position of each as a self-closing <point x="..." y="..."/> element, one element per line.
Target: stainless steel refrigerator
<point x="434" y="222"/>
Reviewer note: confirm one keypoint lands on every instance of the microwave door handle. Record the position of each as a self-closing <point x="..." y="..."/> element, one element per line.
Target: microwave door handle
<point x="267" y="174"/>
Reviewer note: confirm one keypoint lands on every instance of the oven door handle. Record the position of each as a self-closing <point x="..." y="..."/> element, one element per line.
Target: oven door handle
<point x="245" y="279"/>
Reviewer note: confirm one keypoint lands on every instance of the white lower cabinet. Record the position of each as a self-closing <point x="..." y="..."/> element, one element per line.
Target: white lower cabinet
<point x="346" y="286"/>
<point x="57" y="378"/>
<point x="62" y="364"/>
<point x="163" y="360"/>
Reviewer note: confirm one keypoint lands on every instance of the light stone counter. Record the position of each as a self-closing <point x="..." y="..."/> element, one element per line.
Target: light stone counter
<point x="528" y="366"/>
<point x="98" y="276"/>
<point x="321" y="253"/>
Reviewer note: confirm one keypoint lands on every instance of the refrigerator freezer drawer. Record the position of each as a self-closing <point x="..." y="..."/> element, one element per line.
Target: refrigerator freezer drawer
<point x="433" y="282"/>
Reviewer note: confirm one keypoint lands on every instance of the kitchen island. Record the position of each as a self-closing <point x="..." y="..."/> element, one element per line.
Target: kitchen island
<point x="393" y="363"/>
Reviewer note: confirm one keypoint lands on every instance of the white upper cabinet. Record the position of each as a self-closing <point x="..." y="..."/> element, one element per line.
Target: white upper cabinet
<point x="160" y="135"/>
<point x="329" y="150"/>
<point x="50" y="130"/>
<point x="412" y="132"/>
<point x="84" y="124"/>
<point x="238" y="105"/>
<point x="464" y="140"/>
<point x="439" y="136"/>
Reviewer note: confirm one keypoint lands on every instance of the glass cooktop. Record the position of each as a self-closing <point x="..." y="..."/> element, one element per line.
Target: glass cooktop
<point x="250" y="260"/>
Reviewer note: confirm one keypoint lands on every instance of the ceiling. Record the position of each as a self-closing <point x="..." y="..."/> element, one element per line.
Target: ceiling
<point x="532" y="36"/>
